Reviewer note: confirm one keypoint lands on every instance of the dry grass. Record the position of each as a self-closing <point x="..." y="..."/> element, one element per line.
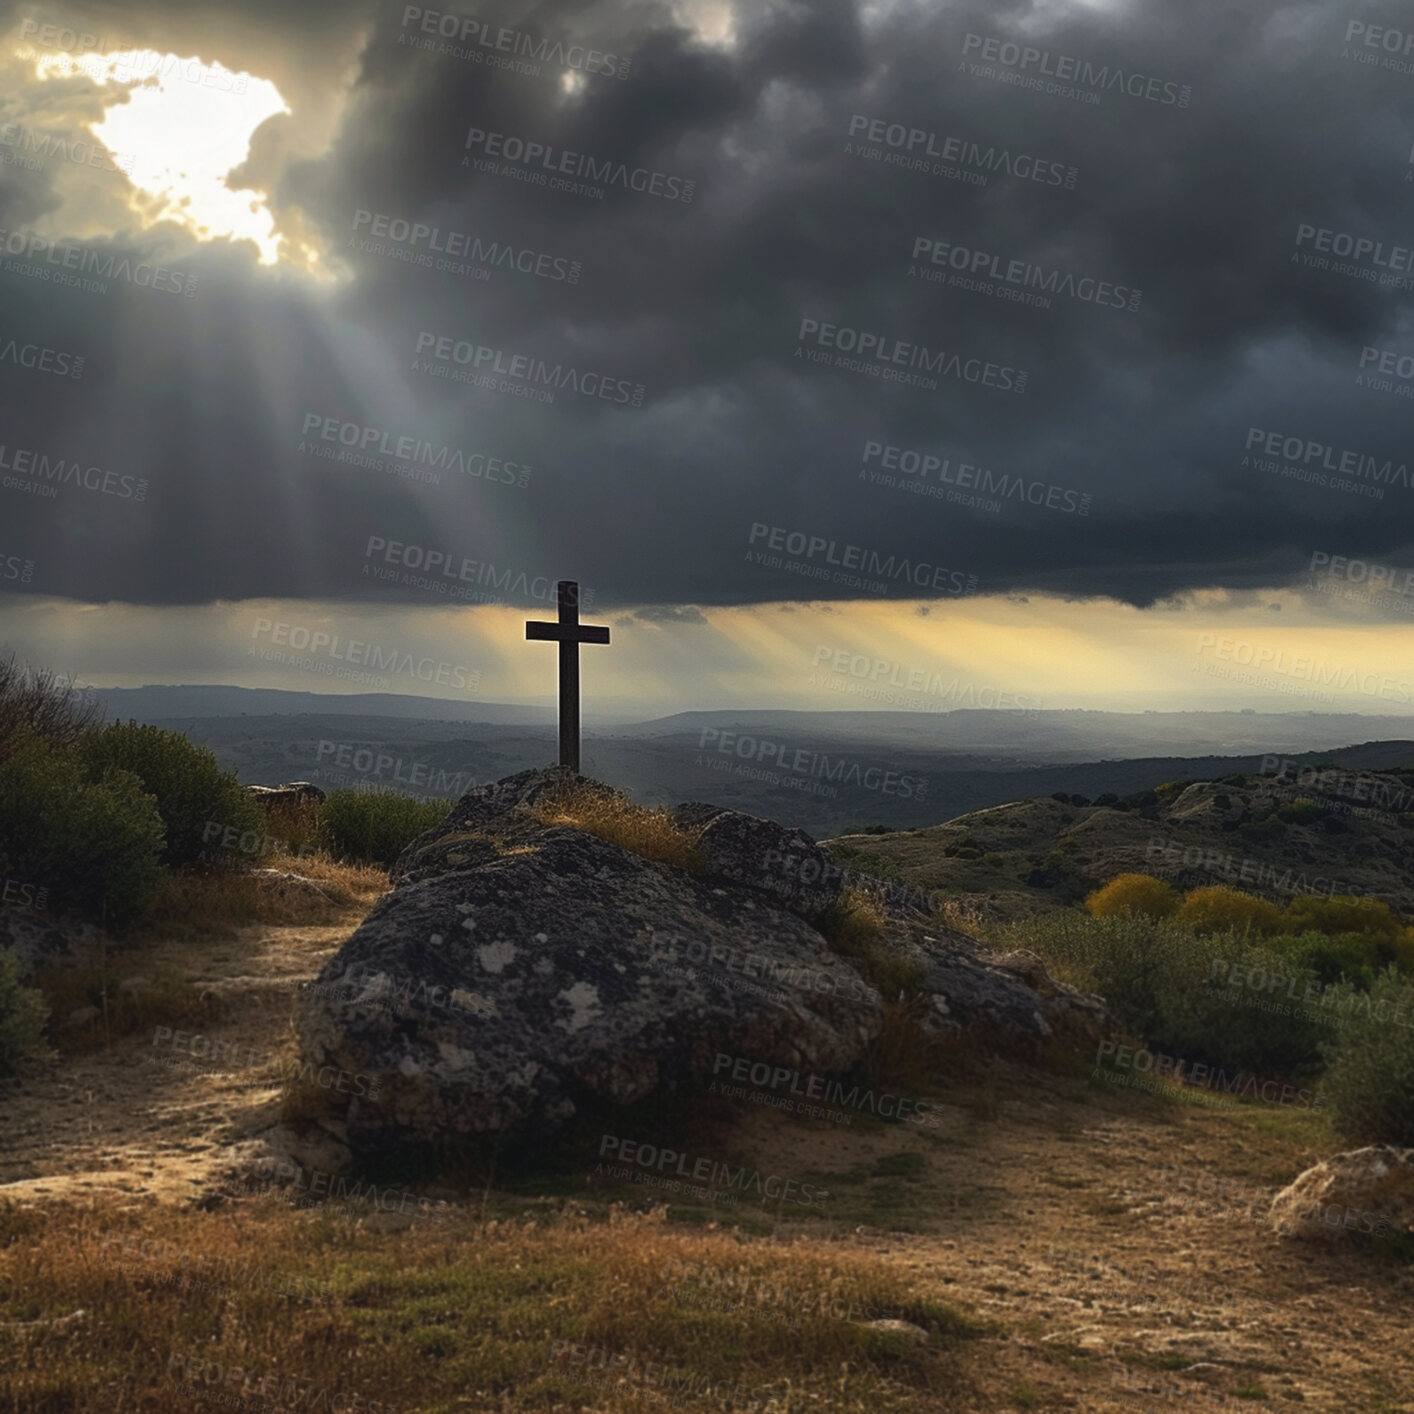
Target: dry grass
<point x="855" y="928"/>
<point x="854" y="924"/>
<point x="295" y="821"/>
<point x="903" y="1054"/>
<point x="650" y="832"/>
<point x="364" y="882"/>
<point x="210" y="902"/>
<point x="169" y="999"/>
<point x="453" y="1313"/>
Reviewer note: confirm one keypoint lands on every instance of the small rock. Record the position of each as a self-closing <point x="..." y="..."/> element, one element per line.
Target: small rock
<point x="906" y="1328"/>
<point x="288" y="888"/>
<point x="1367" y="1192"/>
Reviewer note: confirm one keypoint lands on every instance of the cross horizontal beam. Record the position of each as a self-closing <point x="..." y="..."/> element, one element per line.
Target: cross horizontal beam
<point x="544" y="632"/>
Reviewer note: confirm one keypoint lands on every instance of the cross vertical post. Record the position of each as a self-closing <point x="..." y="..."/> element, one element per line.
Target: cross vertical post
<point x="569" y="633"/>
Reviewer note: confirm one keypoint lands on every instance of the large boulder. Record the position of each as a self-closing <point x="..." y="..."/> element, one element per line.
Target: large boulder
<point x="1367" y="1192"/>
<point x="523" y="969"/>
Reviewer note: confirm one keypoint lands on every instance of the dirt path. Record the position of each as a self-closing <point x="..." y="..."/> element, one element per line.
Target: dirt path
<point x="150" y="1115"/>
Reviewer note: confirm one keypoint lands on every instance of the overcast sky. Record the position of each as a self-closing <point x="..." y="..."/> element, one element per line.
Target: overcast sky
<point x="961" y="330"/>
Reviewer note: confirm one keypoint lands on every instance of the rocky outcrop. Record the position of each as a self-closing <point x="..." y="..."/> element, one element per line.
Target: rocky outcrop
<point x="291" y="793"/>
<point x="783" y="862"/>
<point x="1004" y="992"/>
<point x="521" y="970"/>
<point x="37" y="941"/>
<point x="1365" y="1192"/>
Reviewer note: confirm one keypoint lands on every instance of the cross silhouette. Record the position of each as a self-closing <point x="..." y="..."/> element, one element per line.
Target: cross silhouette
<point x="569" y="633"/>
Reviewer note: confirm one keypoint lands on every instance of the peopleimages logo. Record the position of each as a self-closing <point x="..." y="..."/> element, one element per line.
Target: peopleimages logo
<point x="40" y="253"/>
<point x="1114" y="1056"/>
<point x="879" y="672"/>
<point x="1376" y="576"/>
<point x="856" y="557"/>
<point x="979" y="269"/>
<point x="440" y="567"/>
<point x="42" y="359"/>
<point x="1368" y="258"/>
<point x="363" y="441"/>
<point x="1304" y="667"/>
<point x="1388" y="795"/>
<point x="1318" y="462"/>
<point x="538" y="159"/>
<point x="457" y="246"/>
<point x="59" y="471"/>
<point x="1068" y="69"/>
<point x="522" y="374"/>
<point x="918" y="149"/>
<point x="15" y="568"/>
<point x="1392" y="47"/>
<point x="886" y="357"/>
<point x="905" y="467"/>
<point x="37" y="146"/>
<point x="711" y="1172"/>
<point x="500" y="41"/>
<point x="371" y="655"/>
<point x="1258" y="873"/>
<point x="838" y="770"/>
<point x="807" y="1086"/>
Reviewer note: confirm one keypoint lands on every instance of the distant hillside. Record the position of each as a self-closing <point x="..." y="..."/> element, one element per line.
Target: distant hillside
<point x="830" y="773"/>
<point x="1061" y="735"/>
<point x="163" y="702"/>
<point x="1344" y="829"/>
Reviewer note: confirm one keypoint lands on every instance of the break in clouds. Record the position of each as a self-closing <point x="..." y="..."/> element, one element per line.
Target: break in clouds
<point x="708" y="304"/>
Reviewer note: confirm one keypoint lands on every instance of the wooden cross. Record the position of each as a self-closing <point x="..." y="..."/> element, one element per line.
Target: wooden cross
<point x="569" y="633"/>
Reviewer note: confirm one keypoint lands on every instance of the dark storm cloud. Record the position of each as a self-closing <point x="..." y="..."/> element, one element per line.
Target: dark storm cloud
<point x="1122" y="459"/>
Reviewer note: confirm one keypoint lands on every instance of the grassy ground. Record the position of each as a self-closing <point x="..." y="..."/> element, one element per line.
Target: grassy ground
<point x="1041" y="1252"/>
<point x="1045" y="1241"/>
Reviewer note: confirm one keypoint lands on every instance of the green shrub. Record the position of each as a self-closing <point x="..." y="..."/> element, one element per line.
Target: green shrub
<point x="193" y="794"/>
<point x="95" y="845"/>
<point x="1341" y="914"/>
<point x="374" y="827"/>
<point x="22" y="1017"/>
<point x="1133" y="895"/>
<point x="1369" y="1085"/>
<point x="1167" y="983"/>
<point x="38" y="703"/>
<point x="1300" y="812"/>
<point x="1344" y="957"/>
<point x="1219" y="909"/>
